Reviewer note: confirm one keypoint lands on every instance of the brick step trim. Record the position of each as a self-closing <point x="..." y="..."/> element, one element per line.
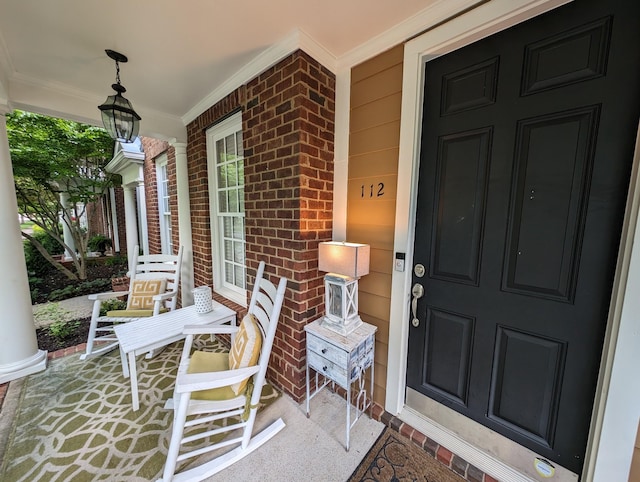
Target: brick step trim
<point x="440" y="453"/>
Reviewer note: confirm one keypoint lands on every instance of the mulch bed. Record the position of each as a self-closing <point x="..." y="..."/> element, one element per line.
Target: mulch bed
<point x="55" y="281"/>
<point x="50" y="343"/>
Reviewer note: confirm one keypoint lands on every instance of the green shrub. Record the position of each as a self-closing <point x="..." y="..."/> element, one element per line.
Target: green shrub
<point x="86" y="287"/>
<point x="51" y="312"/>
<point x="56" y="316"/>
<point x="99" y="243"/>
<point x="63" y="329"/>
<point x="36" y="263"/>
<point x="110" y="305"/>
<point x="116" y="261"/>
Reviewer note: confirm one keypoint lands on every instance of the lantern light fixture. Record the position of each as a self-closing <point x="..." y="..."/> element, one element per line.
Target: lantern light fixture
<point x="121" y="122"/>
<point x="344" y="263"/>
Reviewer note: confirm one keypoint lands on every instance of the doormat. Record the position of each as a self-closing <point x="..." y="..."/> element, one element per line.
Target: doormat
<point x="74" y="421"/>
<point x="394" y="458"/>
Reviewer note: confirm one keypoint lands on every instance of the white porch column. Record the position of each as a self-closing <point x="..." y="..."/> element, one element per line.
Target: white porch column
<point x="142" y="217"/>
<point x="130" y="221"/>
<point x="66" y="231"/>
<point x="19" y="354"/>
<point x="114" y="220"/>
<point x="184" y="221"/>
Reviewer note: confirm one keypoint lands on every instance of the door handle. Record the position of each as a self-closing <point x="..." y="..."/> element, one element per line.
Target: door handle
<point x="417" y="292"/>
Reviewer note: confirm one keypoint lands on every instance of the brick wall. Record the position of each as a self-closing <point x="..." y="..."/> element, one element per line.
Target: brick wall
<point x="95" y="218"/>
<point x="288" y="126"/>
<point x="152" y="149"/>
<point x="122" y="230"/>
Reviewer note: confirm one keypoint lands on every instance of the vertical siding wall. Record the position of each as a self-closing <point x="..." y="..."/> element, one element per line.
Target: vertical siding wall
<point x="374" y="138"/>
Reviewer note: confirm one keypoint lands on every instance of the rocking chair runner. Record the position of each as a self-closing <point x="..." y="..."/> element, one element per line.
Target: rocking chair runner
<point x="207" y="388"/>
<point x="153" y="288"/>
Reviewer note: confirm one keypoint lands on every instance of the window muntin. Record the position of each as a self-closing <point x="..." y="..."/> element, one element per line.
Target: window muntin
<point x="164" y="208"/>
<point x="226" y="192"/>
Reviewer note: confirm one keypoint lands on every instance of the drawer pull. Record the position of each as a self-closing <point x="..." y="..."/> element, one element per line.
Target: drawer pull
<point x="324" y="368"/>
<point x="324" y="350"/>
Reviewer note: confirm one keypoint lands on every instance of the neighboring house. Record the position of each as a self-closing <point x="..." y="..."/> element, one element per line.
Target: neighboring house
<point x="506" y="177"/>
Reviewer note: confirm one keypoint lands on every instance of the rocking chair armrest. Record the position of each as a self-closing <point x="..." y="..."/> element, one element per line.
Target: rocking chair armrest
<point x="193" y="382"/>
<point x="209" y="330"/>
<point x="108" y="295"/>
<point x="164" y="296"/>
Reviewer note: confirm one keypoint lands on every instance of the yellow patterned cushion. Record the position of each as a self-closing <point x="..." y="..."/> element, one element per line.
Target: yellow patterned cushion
<point x="205" y="361"/>
<point x="132" y="313"/>
<point x="141" y="297"/>
<point x="245" y="349"/>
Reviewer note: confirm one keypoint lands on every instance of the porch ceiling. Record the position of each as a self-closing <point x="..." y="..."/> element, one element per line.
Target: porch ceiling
<point x="52" y="56"/>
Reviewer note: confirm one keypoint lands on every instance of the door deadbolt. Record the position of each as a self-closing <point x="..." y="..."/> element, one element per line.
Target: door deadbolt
<point x="419" y="270"/>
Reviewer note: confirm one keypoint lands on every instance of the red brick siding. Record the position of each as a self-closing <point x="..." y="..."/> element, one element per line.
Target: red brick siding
<point x="95" y="218"/>
<point x="122" y="229"/>
<point x="152" y="149"/>
<point x="288" y="130"/>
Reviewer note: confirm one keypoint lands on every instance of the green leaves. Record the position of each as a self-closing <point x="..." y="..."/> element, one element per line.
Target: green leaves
<point x="52" y="156"/>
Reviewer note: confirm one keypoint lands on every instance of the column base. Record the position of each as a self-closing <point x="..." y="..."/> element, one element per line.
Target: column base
<point x="33" y="364"/>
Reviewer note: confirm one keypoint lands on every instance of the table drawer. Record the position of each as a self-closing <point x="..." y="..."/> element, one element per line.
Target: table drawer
<point x="327" y="350"/>
<point x="328" y="368"/>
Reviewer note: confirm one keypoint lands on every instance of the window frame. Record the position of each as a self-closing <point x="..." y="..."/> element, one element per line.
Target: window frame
<point x="229" y="126"/>
<point x="164" y="217"/>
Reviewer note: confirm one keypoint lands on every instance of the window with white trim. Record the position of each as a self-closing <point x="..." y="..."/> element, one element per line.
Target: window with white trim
<point x="225" y="164"/>
<point x="164" y="209"/>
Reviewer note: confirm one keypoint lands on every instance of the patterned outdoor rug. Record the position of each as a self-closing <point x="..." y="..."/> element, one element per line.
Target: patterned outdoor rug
<point x="395" y="458"/>
<point x="74" y="421"/>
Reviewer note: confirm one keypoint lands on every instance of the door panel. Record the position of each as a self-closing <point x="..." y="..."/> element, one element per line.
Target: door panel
<point x="461" y="190"/>
<point x="526" y="150"/>
<point x="553" y="159"/>
<point x="449" y="349"/>
<point x="526" y="383"/>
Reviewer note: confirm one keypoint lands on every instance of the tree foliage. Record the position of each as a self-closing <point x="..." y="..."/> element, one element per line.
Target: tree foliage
<point x="50" y="157"/>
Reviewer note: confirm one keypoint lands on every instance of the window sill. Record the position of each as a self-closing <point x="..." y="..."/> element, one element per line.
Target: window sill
<point x="234" y="296"/>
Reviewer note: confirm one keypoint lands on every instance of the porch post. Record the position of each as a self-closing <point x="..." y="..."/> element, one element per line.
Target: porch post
<point x="130" y="221"/>
<point x="114" y="220"/>
<point x="184" y="221"/>
<point x="19" y="354"/>
<point x="66" y="231"/>
<point x="142" y="216"/>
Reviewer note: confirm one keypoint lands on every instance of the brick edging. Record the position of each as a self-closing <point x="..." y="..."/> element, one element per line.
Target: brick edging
<point x="440" y="453"/>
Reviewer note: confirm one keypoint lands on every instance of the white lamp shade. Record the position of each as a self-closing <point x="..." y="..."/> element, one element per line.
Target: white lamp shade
<point x="347" y="259"/>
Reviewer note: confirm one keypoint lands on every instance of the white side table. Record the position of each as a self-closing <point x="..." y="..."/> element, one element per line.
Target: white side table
<point x="342" y="360"/>
<point x="146" y="334"/>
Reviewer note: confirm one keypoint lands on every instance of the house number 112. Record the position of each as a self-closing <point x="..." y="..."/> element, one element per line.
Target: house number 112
<point x="372" y="191"/>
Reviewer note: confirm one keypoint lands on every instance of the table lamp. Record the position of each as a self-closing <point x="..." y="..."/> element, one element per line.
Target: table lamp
<point x="344" y="264"/>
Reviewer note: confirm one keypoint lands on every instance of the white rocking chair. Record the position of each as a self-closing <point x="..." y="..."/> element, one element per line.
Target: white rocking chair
<point x="163" y="268"/>
<point x="220" y="401"/>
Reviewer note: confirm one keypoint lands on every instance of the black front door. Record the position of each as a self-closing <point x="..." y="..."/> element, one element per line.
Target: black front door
<point x="527" y="145"/>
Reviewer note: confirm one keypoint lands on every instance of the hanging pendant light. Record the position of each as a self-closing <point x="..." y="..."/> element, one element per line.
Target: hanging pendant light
<point x="119" y="119"/>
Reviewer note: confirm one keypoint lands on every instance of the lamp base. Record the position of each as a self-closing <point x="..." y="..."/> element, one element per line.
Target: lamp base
<point x="342" y="327"/>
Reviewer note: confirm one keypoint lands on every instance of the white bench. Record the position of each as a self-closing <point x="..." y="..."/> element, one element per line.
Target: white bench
<point x="146" y="334"/>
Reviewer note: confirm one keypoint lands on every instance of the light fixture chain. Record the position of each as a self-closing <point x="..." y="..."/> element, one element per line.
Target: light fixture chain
<point x="117" y="72"/>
